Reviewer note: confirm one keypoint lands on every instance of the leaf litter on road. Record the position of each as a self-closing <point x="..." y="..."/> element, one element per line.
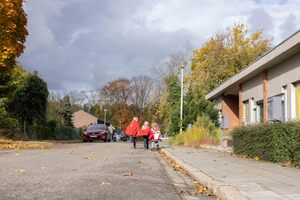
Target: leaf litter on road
<point x="199" y="189"/>
<point x="105" y="183"/>
<point x="90" y="157"/>
<point x="127" y="174"/>
<point x="17" y="171"/>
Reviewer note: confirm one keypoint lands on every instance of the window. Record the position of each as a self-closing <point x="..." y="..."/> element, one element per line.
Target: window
<point x="246" y="112"/>
<point x="284" y="116"/>
<point x="259" y="116"/>
<point x="295" y="101"/>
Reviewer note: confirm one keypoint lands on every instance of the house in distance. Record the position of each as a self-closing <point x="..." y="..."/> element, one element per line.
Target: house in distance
<point x="83" y="119"/>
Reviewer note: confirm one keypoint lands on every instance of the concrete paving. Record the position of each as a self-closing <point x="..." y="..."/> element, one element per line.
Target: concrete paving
<point x="249" y="179"/>
<point x="84" y="171"/>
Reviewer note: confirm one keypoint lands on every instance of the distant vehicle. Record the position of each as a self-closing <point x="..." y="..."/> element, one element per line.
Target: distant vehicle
<point x="119" y="135"/>
<point x="96" y="132"/>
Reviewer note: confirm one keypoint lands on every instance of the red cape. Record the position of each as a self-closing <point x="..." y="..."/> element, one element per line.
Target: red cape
<point x="132" y="129"/>
<point x="145" y="132"/>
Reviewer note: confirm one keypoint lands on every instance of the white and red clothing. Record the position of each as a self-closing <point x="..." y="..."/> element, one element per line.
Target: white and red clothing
<point x="154" y="135"/>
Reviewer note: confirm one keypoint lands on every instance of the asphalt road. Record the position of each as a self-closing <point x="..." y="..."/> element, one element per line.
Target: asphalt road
<point x="84" y="171"/>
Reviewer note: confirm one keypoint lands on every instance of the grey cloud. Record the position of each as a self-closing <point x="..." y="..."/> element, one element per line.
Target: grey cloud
<point x="260" y="19"/>
<point x="84" y="44"/>
<point x="288" y="26"/>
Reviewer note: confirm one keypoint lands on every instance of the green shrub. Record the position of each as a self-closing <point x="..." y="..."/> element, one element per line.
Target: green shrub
<point x="9" y="127"/>
<point x="53" y="132"/>
<point x="296" y="156"/>
<point x="204" y="121"/>
<point x="273" y="142"/>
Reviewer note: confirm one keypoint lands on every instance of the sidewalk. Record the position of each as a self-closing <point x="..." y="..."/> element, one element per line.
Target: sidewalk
<point x="236" y="178"/>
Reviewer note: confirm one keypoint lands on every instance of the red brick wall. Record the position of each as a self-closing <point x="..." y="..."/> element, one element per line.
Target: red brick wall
<point x="230" y="108"/>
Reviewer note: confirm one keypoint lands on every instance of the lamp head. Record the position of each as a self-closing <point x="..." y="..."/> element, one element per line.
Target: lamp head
<point x="182" y="64"/>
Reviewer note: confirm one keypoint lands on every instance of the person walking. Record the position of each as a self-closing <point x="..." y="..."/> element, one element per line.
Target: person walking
<point x="154" y="136"/>
<point x="133" y="130"/>
<point x="145" y="132"/>
<point x="111" y="130"/>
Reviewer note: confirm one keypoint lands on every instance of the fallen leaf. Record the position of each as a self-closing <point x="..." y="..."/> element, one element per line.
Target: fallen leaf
<point x="20" y="170"/>
<point x="175" y="184"/>
<point x="128" y="174"/>
<point x="105" y="183"/>
<point x="257" y="158"/>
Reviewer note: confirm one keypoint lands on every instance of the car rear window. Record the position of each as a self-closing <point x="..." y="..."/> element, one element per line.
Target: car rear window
<point x="97" y="127"/>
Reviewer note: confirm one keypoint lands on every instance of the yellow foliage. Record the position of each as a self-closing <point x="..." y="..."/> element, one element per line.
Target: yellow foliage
<point x="224" y="55"/>
<point x="194" y="138"/>
<point x="13" y="31"/>
<point x="13" y="144"/>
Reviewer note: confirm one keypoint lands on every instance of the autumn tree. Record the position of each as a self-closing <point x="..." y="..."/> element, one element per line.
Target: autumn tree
<point x="117" y="92"/>
<point x="13" y="32"/>
<point x="141" y="87"/>
<point x="224" y="55"/>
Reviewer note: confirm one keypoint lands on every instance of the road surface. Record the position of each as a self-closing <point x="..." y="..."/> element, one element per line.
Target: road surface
<point x="85" y="171"/>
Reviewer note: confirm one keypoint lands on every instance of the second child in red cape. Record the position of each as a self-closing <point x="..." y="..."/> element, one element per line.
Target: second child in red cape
<point x="145" y="132"/>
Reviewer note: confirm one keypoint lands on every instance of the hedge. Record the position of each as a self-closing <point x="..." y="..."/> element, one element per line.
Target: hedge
<point x="278" y="142"/>
<point x="55" y="133"/>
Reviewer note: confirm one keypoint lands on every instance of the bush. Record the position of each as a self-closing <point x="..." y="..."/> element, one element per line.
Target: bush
<point x="9" y="127"/>
<point x="204" y="121"/>
<point x="296" y="156"/>
<point x="274" y="142"/>
<point x="53" y="132"/>
<point x="194" y="138"/>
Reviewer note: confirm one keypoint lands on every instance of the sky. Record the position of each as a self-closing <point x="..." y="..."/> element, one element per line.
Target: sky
<point x="83" y="44"/>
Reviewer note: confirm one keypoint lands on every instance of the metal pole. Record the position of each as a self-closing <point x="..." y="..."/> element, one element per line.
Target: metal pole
<point x="181" y="100"/>
<point x="105" y="116"/>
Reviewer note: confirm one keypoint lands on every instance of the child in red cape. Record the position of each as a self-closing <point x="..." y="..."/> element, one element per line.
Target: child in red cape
<point x="154" y="137"/>
<point x="145" y="132"/>
<point x="132" y="130"/>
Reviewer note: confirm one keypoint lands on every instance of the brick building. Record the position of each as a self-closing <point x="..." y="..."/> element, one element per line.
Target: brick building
<point x="267" y="90"/>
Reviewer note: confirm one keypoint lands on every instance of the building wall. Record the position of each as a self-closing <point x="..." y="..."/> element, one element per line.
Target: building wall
<point x="253" y="88"/>
<point x="283" y="74"/>
<point x="280" y="79"/>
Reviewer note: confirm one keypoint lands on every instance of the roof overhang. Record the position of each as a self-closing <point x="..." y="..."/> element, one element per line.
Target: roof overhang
<point x="281" y="52"/>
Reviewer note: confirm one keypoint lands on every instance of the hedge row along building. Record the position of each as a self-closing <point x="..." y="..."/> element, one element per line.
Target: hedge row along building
<point x="267" y="90"/>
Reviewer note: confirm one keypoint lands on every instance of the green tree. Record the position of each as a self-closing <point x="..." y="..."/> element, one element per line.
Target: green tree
<point x="196" y="105"/>
<point x="66" y="111"/>
<point x="11" y="79"/>
<point x="29" y="102"/>
<point x="224" y="55"/>
<point x="173" y="98"/>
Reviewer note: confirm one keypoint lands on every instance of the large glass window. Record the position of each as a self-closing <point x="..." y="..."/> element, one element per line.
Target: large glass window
<point x="259" y="116"/>
<point x="247" y="112"/>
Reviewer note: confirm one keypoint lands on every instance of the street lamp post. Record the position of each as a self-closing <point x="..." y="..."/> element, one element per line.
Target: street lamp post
<point x="182" y="65"/>
<point x="105" y="116"/>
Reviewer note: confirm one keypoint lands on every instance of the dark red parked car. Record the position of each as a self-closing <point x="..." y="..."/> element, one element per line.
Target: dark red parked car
<point x="96" y="132"/>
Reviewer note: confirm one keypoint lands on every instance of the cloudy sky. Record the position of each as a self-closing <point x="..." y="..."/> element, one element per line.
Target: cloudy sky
<point x="82" y="44"/>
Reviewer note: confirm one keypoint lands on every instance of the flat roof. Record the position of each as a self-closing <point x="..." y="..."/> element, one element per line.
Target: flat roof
<point x="279" y="53"/>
